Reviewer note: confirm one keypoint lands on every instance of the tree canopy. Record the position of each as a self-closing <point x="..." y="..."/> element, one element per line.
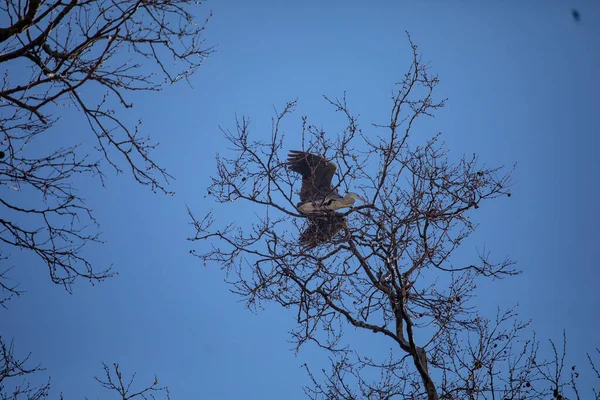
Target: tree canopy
<point x="391" y="269"/>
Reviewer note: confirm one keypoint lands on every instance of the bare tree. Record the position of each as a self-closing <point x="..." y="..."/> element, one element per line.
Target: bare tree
<point x="14" y="369"/>
<point x="87" y="54"/>
<point x="390" y="269"/>
<point x="113" y="380"/>
<point x="14" y="384"/>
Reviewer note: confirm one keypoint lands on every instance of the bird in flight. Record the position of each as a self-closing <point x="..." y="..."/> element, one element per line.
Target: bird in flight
<point x="317" y="195"/>
<point x="318" y="198"/>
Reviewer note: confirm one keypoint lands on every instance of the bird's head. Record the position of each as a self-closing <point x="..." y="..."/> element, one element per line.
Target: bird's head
<point x="354" y="197"/>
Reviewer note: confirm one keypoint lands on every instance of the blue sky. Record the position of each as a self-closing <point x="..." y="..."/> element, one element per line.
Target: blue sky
<point x="522" y="85"/>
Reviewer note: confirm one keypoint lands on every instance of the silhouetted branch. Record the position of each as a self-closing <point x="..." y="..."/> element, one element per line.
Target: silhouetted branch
<point x="15" y="376"/>
<point x="103" y="51"/>
<point x="14" y="371"/>
<point x="7" y="291"/>
<point x="113" y="380"/>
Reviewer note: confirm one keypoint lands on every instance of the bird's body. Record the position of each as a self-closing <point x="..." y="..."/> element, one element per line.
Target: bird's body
<point x="318" y="198"/>
<point x="317" y="194"/>
<point x="329" y="203"/>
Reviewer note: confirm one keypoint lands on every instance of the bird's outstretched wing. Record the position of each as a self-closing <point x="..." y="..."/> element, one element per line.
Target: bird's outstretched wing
<point x="316" y="172"/>
<point x="321" y="229"/>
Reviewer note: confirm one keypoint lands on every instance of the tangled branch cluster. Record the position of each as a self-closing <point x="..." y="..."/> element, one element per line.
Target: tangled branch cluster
<point x="88" y="55"/>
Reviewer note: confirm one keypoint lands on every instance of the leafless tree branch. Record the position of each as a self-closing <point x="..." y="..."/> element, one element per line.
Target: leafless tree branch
<point x="113" y="380"/>
<point x="90" y="55"/>
<point x="15" y="374"/>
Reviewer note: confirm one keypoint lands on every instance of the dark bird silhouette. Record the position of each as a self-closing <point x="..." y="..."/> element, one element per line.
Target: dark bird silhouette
<point x="317" y="194"/>
<point x="576" y="15"/>
<point x="318" y="198"/>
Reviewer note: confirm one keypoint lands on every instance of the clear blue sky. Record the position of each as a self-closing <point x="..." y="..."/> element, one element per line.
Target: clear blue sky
<point x="522" y="82"/>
